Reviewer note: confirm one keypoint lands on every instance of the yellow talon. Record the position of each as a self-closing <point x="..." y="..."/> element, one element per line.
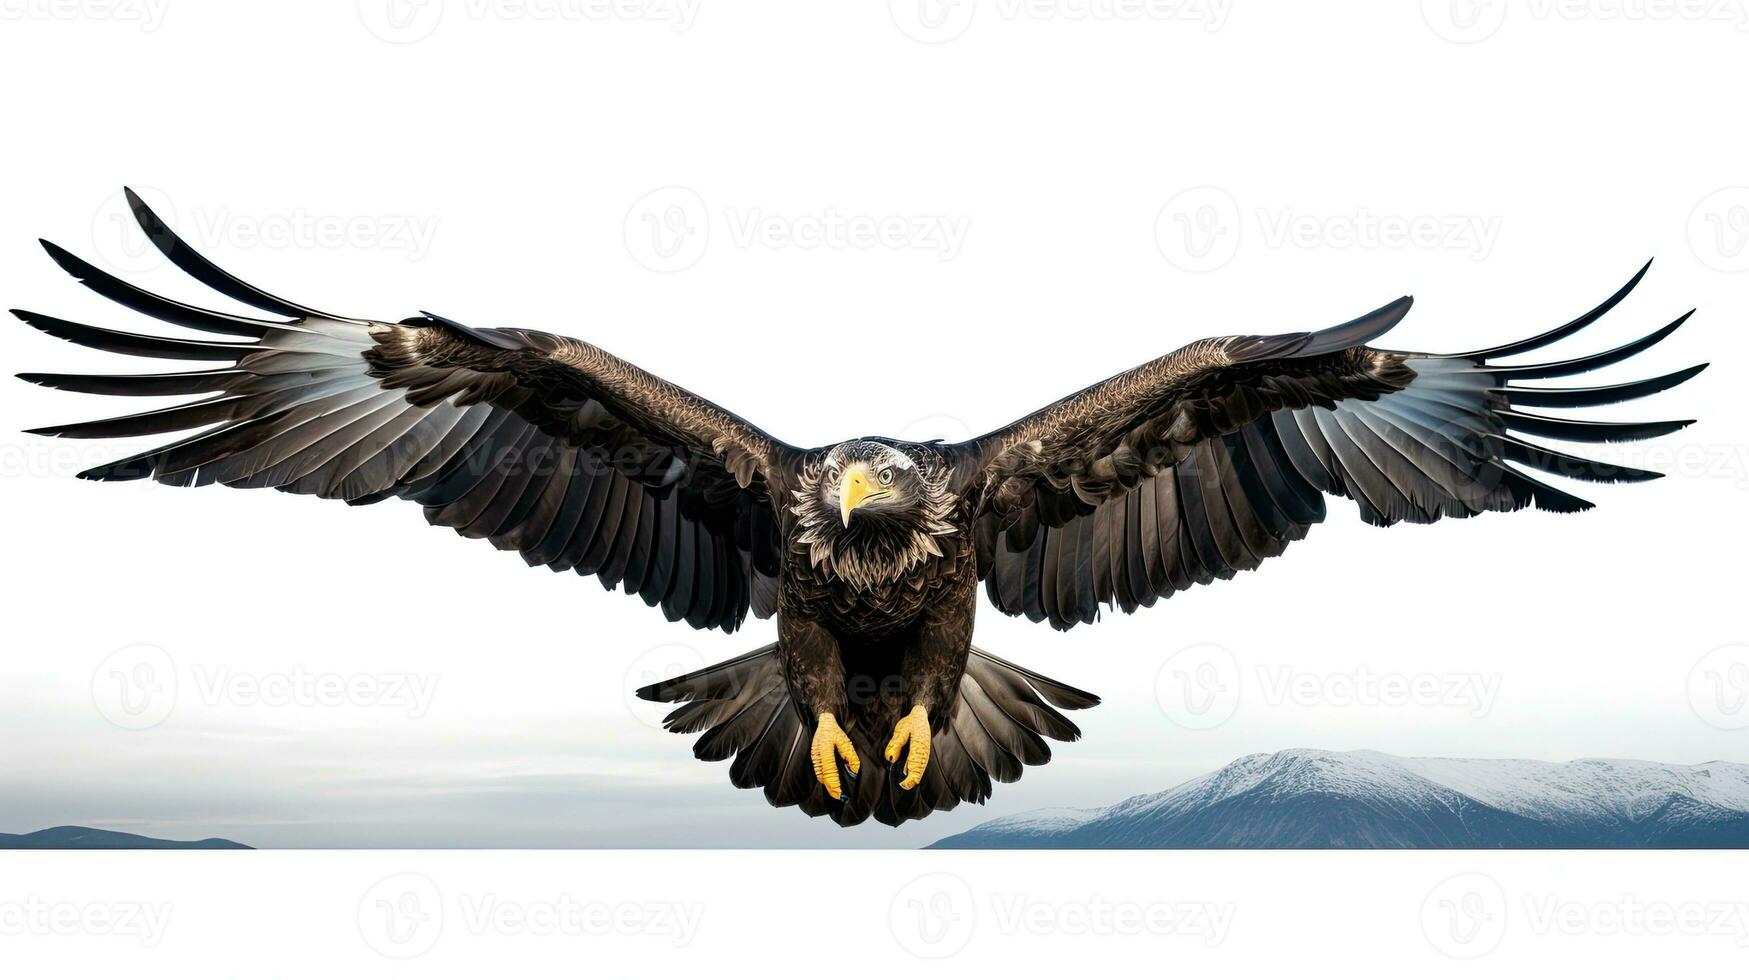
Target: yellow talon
<point x="829" y="743"/>
<point x="913" y="728"/>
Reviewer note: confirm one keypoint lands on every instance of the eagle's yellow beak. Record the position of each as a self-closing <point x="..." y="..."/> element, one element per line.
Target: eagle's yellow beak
<point x="853" y="489"/>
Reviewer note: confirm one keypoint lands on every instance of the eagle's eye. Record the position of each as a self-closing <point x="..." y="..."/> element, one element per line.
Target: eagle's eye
<point x="887" y="477"/>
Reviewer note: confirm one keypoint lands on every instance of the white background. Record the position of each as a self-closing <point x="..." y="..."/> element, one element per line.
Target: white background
<point x="841" y="219"/>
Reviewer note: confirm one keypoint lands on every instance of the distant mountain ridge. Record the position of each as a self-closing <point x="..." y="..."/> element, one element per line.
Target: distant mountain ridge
<point x="1317" y="799"/>
<point x="88" y="838"/>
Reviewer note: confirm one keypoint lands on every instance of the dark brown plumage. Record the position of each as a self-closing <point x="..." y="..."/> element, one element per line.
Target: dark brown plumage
<point x="1189" y="468"/>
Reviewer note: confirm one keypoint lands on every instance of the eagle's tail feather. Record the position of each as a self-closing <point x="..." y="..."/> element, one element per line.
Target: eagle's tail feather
<point x="999" y="727"/>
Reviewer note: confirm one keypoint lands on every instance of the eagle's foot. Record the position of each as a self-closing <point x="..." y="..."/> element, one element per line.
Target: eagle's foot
<point x="830" y="742"/>
<point x="913" y="728"/>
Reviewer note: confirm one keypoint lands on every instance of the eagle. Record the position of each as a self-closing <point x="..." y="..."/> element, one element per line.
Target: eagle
<point x="869" y="553"/>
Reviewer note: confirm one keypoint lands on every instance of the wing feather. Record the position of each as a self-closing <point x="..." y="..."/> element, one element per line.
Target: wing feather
<point x="541" y="444"/>
<point x="1213" y="459"/>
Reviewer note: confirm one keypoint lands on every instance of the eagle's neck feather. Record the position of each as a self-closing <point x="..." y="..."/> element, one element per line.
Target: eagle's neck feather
<point x="870" y="555"/>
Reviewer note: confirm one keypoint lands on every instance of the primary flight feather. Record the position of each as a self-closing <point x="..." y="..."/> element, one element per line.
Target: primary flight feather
<point x="873" y="701"/>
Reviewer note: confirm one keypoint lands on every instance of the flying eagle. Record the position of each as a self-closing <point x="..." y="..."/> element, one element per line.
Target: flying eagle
<point x="873" y="700"/>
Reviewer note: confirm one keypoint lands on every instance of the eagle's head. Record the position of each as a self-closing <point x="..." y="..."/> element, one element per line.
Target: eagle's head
<point x="870" y="481"/>
<point x="869" y="510"/>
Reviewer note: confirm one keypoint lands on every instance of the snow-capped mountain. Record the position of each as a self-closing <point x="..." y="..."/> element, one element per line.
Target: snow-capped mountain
<point x="1313" y="798"/>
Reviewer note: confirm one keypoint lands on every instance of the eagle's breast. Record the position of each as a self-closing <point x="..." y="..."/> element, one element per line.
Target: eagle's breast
<point x="876" y="574"/>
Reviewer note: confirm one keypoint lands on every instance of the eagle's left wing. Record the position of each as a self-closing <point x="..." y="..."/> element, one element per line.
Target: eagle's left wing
<point x="1207" y="461"/>
<point x="539" y="443"/>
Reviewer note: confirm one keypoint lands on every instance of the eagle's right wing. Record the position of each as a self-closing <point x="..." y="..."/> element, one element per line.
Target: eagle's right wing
<point x="1208" y="461"/>
<point x="541" y="444"/>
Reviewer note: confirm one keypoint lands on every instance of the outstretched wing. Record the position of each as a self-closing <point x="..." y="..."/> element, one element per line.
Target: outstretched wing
<point x="540" y="444"/>
<point x="1207" y="461"/>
